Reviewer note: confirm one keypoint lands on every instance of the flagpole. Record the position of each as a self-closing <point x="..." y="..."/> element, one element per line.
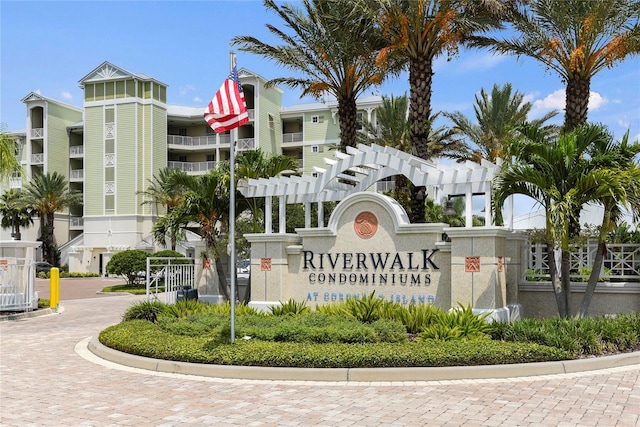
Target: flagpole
<point x="232" y="215"/>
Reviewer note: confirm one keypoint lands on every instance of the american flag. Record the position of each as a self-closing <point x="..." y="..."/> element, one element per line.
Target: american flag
<point x="227" y="110"/>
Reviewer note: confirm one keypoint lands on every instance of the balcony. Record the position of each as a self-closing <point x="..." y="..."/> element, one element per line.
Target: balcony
<point x="77" y="175"/>
<point x="76" y="151"/>
<point x="37" y="133"/>
<point x="246" y="144"/>
<point x="192" y="141"/>
<point x="76" y="223"/>
<point x="193" y="168"/>
<point x="292" y="137"/>
<point x="37" y="159"/>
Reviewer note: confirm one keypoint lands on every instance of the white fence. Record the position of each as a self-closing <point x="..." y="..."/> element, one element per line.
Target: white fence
<point x="166" y="276"/>
<point x="621" y="262"/>
<point x="17" y="285"/>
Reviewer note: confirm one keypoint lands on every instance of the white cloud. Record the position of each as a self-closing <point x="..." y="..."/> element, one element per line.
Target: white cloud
<point x="478" y="62"/>
<point x="197" y="99"/>
<point x="556" y="100"/>
<point x="184" y="90"/>
<point x="66" y="95"/>
<point x="596" y="101"/>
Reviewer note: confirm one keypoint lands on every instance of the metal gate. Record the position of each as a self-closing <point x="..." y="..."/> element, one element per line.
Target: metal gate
<point x="166" y="276"/>
<point x="17" y="285"/>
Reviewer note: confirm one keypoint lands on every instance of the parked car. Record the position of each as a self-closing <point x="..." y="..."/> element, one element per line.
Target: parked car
<point x="43" y="267"/>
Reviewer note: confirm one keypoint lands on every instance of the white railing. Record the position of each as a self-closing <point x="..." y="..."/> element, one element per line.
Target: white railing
<point x="76" y="150"/>
<point x="77" y="173"/>
<point x="191" y="141"/>
<point x="385" y="185"/>
<point x="37" y="133"/>
<point x="246" y="143"/>
<point x="15" y="182"/>
<point x="292" y="137"/>
<point x="621" y="262"/>
<point x="192" y="167"/>
<point x="17" y="291"/>
<point x="110" y="130"/>
<point x="76" y="221"/>
<point x="37" y="158"/>
<point x="167" y="276"/>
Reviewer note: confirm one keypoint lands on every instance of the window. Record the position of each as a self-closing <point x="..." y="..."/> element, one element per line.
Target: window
<point x="359" y="119"/>
<point x="182" y="131"/>
<point x="271" y="122"/>
<point x="314" y="174"/>
<point x="211" y="157"/>
<point x="315" y="149"/>
<point x="317" y="119"/>
<point x="182" y="158"/>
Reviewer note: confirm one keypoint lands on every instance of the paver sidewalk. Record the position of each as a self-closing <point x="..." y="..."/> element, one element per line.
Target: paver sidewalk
<point x="44" y="381"/>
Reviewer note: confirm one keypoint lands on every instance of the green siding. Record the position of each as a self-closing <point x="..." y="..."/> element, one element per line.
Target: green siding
<point x="93" y="161"/>
<point x="324" y="130"/>
<point x="269" y="103"/>
<point x="126" y="163"/>
<point x="58" y="118"/>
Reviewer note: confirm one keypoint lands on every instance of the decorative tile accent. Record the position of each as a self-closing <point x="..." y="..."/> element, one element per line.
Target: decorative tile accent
<point x="472" y="264"/>
<point x="365" y="225"/>
<point x="265" y="264"/>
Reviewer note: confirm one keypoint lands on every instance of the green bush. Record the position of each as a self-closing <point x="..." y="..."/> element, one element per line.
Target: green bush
<point x="146" y="339"/>
<point x="588" y="336"/>
<point x="290" y="308"/>
<point x="457" y="324"/>
<point x="129" y="264"/>
<point x="144" y="310"/>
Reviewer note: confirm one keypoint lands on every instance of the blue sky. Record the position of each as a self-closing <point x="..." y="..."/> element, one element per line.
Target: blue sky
<point x="48" y="46"/>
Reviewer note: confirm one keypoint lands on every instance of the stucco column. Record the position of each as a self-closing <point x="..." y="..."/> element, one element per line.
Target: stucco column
<point x="269" y="265"/>
<point x="478" y="267"/>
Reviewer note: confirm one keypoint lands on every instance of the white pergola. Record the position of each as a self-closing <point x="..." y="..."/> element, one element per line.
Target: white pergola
<point x="360" y="168"/>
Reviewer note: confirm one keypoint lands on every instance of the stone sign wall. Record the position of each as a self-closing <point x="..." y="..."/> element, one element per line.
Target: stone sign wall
<point x="369" y="245"/>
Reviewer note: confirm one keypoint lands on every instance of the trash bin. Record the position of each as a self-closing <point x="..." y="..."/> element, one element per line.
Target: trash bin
<point x="187" y="293"/>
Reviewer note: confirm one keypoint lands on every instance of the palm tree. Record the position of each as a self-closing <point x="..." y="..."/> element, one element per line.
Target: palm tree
<point x="15" y="213"/>
<point x="333" y="45"/>
<point x="254" y="164"/>
<point x="417" y="33"/>
<point x="8" y="161"/>
<point x="205" y="202"/>
<point x="497" y="116"/>
<point x="392" y="128"/>
<point x="561" y="177"/>
<point x="620" y="158"/>
<point x="576" y="39"/>
<point x="164" y="190"/>
<point x="47" y="194"/>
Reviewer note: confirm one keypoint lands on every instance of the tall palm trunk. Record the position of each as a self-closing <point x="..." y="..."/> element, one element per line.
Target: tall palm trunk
<point x="577" y="102"/>
<point x="593" y="279"/>
<point x="347" y="114"/>
<point x="555" y="282"/>
<point x="420" y="78"/>
<point x="565" y="280"/>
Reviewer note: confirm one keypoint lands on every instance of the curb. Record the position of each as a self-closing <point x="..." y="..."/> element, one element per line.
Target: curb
<point x="364" y="374"/>
<point x="29" y="314"/>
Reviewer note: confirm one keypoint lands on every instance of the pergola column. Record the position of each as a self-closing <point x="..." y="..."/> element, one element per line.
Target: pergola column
<point x="282" y="217"/>
<point x="268" y="229"/>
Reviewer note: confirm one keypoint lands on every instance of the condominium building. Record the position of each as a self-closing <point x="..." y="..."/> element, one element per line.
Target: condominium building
<point x="111" y="148"/>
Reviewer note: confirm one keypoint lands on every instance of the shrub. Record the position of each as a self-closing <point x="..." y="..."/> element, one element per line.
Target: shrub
<point x="416" y="317"/>
<point x="458" y="323"/>
<point x="144" y="310"/>
<point x="588" y="336"/>
<point x="290" y="308"/>
<point x="128" y="264"/>
<point x="146" y="339"/>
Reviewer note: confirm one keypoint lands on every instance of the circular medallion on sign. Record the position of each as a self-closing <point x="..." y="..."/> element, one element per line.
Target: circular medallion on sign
<point x="366" y="225"/>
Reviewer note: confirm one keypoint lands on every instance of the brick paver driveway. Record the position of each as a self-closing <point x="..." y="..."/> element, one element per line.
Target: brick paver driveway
<point x="45" y="381"/>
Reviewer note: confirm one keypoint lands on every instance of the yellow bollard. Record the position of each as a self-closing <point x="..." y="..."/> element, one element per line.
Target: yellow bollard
<point x="54" y="283"/>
